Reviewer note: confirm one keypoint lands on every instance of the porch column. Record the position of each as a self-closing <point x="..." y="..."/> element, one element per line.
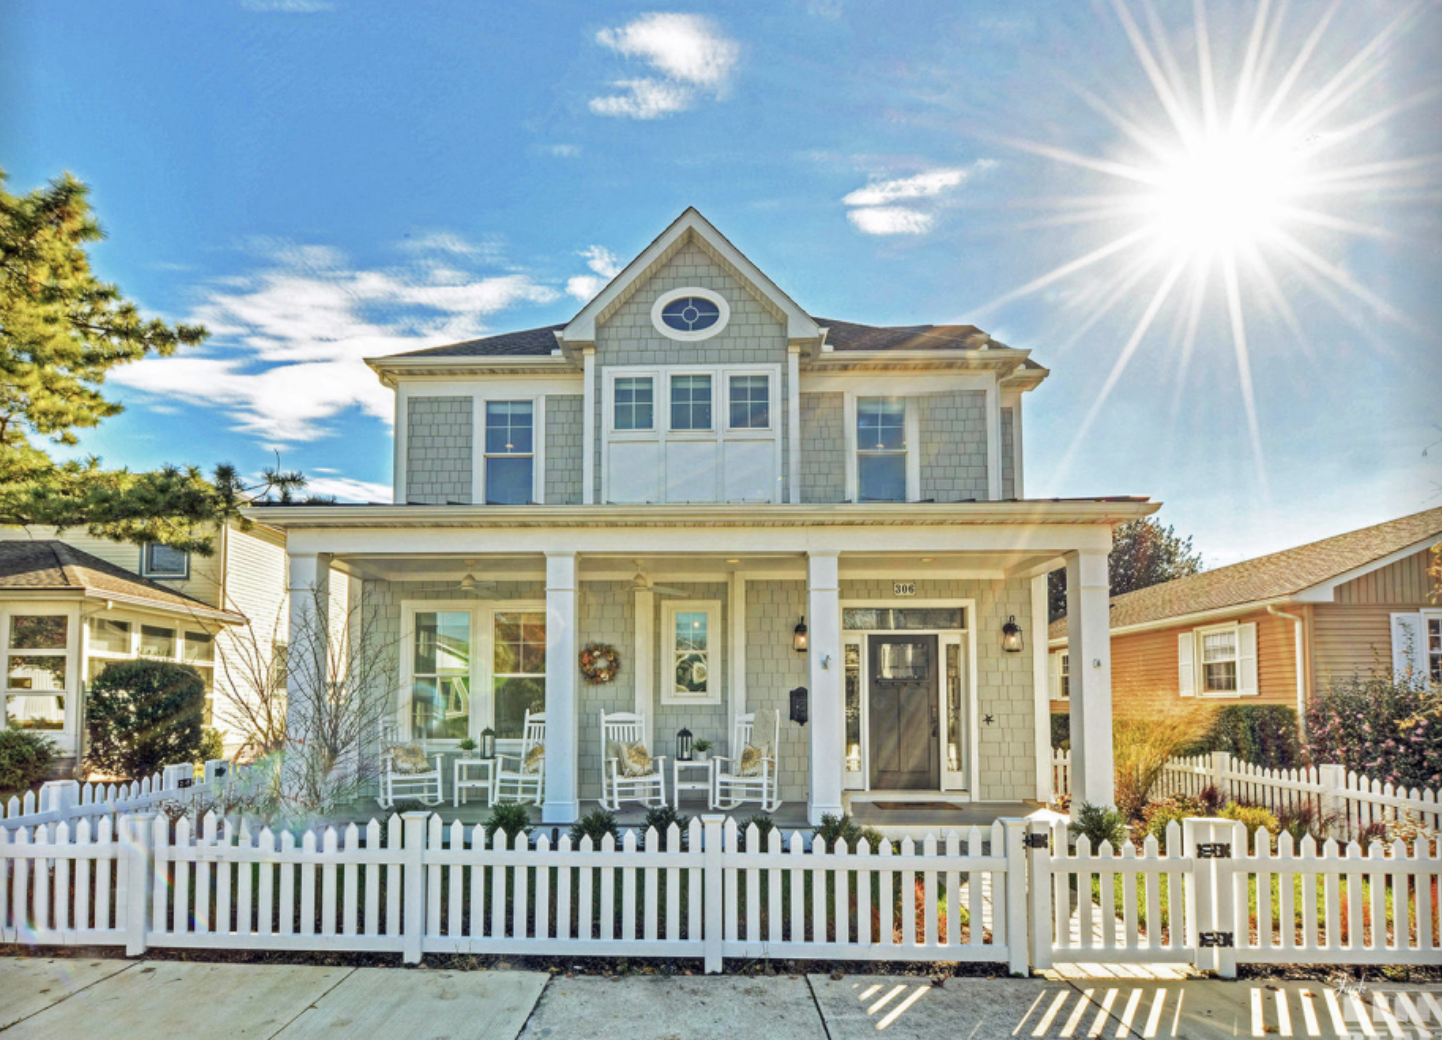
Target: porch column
<point x="307" y="658"/>
<point x="1088" y="622"/>
<point x="560" y="805"/>
<point x="827" y="707"/>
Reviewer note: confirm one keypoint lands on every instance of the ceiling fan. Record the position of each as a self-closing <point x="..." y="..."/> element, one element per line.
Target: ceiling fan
<point x="641" y="583"/>
<point x="473" y="586"/>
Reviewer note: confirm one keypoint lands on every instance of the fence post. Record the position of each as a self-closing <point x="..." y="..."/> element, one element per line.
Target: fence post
<point x="413" y="913"/>
<point x="1221" y="773"/>
<point x="1206" y="908"/>
<point x="59" y="796"/>
<point x="171" y="775"/>
<point x="1333" y="779"/>
<point x="1225" y="908"/>
<point x="711" y="871"/>
<point x="1017" y="934"/>
<point x="1039" y="883"/>
<point x="137" y="838"/>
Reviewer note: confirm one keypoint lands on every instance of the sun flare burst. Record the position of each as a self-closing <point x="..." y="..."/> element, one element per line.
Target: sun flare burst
<point x="1237" y="200"/>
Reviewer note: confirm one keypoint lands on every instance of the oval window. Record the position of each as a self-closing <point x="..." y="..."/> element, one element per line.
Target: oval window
<point x="690" y="314"/>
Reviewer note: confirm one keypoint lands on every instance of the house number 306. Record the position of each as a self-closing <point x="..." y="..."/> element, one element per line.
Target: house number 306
<point x="903" y="588"/>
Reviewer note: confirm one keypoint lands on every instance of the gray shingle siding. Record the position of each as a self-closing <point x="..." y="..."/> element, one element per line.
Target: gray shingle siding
<point x="823" y="447"/>
<point x="1008" y="457"/>
<point x="773" y="669"/>
<point x="439" y="436"/>
<point x="953" y="446"/>
<point x="564" y="435"/>
<point x="753" y="336"/>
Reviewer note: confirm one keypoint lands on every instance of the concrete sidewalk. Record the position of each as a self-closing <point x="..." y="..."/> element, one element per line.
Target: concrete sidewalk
<point x="160" y="1000"/>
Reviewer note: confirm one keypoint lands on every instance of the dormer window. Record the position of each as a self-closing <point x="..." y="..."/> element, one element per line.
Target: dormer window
<point x="691" y="313"/>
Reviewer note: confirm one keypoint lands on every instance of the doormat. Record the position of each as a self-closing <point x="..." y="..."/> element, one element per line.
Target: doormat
<point x="892" y="806"/>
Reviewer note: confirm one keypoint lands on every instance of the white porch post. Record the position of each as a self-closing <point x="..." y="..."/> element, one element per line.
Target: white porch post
<point x="560" y="805"/>
<point x="307" y="661"/>
<point x="1041" y="687"/>
<point x="1088" y="590"/>
<point x="827" y="707"/>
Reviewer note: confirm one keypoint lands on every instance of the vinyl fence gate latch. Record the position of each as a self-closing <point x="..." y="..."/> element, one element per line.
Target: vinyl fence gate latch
<point x="1214" y="850"/>
<point x="1036" y="841"/>
<point x="1211" y="939"/>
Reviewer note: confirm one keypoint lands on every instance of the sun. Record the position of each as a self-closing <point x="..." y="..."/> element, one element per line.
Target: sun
<point x="1227" y="192"/>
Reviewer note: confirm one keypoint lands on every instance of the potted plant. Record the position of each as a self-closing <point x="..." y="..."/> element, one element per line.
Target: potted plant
<point x="468" y="745"/>
<point x="702" y="749"/>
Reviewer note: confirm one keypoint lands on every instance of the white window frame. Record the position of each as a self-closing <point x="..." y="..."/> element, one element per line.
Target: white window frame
<point x="479" y="455"/>
<point x="661" y="433"/>
<point x="1200" y="664"/>
<point x="1060" y="675"/>
<point x="69" y="688"/>
<point x="1429" y="618"/>
<point x="913" y="444"/>
<point x="146" y="571"/>
<point x="700" y="334"/>
<point x="715" y="655"/>
<point x="482" y="674"/>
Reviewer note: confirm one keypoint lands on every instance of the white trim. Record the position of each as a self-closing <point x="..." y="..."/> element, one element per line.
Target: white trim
<point x="736" y="598"/>
<point x="714" y="655"/>
<point x="588" y="421"/>
<point x="993" y="442"/>
<point x="401" y="444"/>
<point x="1200" y="665"/>
<point x="793" y="427"/>
<point x="1041" y="701"/>
<point x="1323" y="592"/>
<point x="895" y="384"/>
<point x="644" y="662"/>
<point x="1018" y="465"/>
<point x="699" y="334"/>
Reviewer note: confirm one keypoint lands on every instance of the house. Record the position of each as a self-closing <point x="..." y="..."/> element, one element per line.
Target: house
<point x="758" y="509"/>
<point x="70" y="603"/>
<point x="1279" y="628"/>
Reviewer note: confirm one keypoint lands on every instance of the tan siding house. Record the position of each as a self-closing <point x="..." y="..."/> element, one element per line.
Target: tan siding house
<point x="1344" y="606"/>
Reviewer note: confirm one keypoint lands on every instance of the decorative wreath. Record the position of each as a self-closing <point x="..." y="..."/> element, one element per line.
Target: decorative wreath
<point x="600" y="662"/>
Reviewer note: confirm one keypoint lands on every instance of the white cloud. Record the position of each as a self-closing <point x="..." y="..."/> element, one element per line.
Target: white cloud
<point x="288" y="6"/>
<point x="873" y="211"/>
<point x="287" y="342"/>
<point x="890" y="220"/>
<point x="347" y="489"/>
<point x="562" y="151"/>
<point x="605" y="265"/>
<point x="686" y="51"/>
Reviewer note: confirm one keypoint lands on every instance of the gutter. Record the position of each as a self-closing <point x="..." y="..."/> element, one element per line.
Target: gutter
<point x="1297" y="623"/>
<point x="1197" y="617"/>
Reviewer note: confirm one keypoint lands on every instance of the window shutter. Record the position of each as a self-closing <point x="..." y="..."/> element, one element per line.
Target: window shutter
<point x="1053" y="673"/>
<point x="1408" y="641"/>
<point x="1247" y="660"/>
<point x="1186" y="664"/>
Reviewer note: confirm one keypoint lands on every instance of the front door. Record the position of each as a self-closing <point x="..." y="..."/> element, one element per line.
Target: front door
<point x="902" y="697"/>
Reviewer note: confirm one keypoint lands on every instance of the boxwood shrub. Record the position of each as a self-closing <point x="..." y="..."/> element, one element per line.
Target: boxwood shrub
<point x="142" y="715"/>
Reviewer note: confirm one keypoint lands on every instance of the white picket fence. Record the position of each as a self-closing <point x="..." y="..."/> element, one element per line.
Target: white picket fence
<point x="69" y="800"/>
<point x="1350" y="802"/>
<point x="1019" y="893"/>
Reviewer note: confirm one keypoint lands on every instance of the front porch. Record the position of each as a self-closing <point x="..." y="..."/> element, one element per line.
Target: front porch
<point x="905" y="688"/>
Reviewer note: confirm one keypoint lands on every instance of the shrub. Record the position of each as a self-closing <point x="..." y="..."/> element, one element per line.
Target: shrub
<point x="1141" y="746"/>
<point x="662" y="816"/>
<point x="1163" y="811"/>
<point x="1061" y="730"/>
<point x="1359" y="723"/>
<point x="764" y="826"/>
<point x="1253" y="818"/>
<point x="212" y="745"/>
<point x="595" y="825"/>
<point x="1097" y="824"/>
<point x="142" y="715"/>
<point x="1212" y="799"/>
<point x="511" y="818"/>
<point x="844" y="828"/>
<point x="1303" y="819"/>
<point x="25" y="757"/>
<point x="1262" y="734"/>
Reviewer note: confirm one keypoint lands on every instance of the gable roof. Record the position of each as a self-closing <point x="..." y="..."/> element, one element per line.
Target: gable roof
<point x="1280" y="575"/>
<point x="50" y="565"/>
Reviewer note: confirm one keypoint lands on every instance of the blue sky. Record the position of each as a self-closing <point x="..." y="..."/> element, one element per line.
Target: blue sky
<point x="322" y="180"/>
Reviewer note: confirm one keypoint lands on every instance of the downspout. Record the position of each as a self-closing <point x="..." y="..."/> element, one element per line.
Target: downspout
<point x="1297" y="621"/>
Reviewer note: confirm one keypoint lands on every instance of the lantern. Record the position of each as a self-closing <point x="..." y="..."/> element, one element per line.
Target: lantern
<point x="488" y="743"/>
<point x="798" y="637"/>
<point x="683" y="746"/>
<point x="798" y="705"/>
<point x="1011" y="636"/>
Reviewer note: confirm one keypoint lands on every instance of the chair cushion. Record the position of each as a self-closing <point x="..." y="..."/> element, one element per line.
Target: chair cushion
<point x="534" y="758"/>
<point x="410" y="758"/>
<point x="751" y="759"/>
<point x="635" y="760"/>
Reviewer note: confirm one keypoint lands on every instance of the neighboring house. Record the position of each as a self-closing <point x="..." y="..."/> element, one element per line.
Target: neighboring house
<point x="1279" y="628"/>
<point x="71" y="604"/>
<point x="696" y="471"/>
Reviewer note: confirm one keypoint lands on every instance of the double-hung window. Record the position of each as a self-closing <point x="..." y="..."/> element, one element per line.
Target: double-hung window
<point x="881" y="449"/>
<point x="1219" y="661"/>
<point x="691" y="402"/>
<point x="692" y="659"/>
<point x="510" y="452"/>
<point x="37" y="670"/>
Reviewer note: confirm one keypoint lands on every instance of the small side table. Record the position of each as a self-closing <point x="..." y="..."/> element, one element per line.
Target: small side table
<point x="464" y="781"/>
<point x="701" y="783"/>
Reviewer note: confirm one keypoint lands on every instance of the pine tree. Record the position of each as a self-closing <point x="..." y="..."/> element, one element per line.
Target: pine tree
<point x="61" y="331"/>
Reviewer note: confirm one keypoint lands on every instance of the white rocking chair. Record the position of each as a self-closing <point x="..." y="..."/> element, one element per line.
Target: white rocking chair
<point x="729" y="785"/>
<point x="626" y="727"/>
<point x="402" y="783"/>
<point x="522" y="783"/>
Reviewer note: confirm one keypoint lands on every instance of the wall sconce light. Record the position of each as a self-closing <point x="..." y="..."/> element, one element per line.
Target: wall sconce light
<point x="1011" y="636"/>
<point x="798" y="705"/>
<point x="488" y="743"/>
<point x="798" y="636"/>
<point x="683" y="746"/>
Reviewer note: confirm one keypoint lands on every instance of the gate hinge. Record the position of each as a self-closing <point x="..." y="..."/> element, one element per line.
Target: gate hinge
<point x="1036" y="841"/>
<point x="1214" y="850"/>
<point x="1227" y="939"/>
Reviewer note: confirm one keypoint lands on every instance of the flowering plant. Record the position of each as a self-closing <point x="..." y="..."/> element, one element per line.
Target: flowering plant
<point x="1379" y="727"/>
